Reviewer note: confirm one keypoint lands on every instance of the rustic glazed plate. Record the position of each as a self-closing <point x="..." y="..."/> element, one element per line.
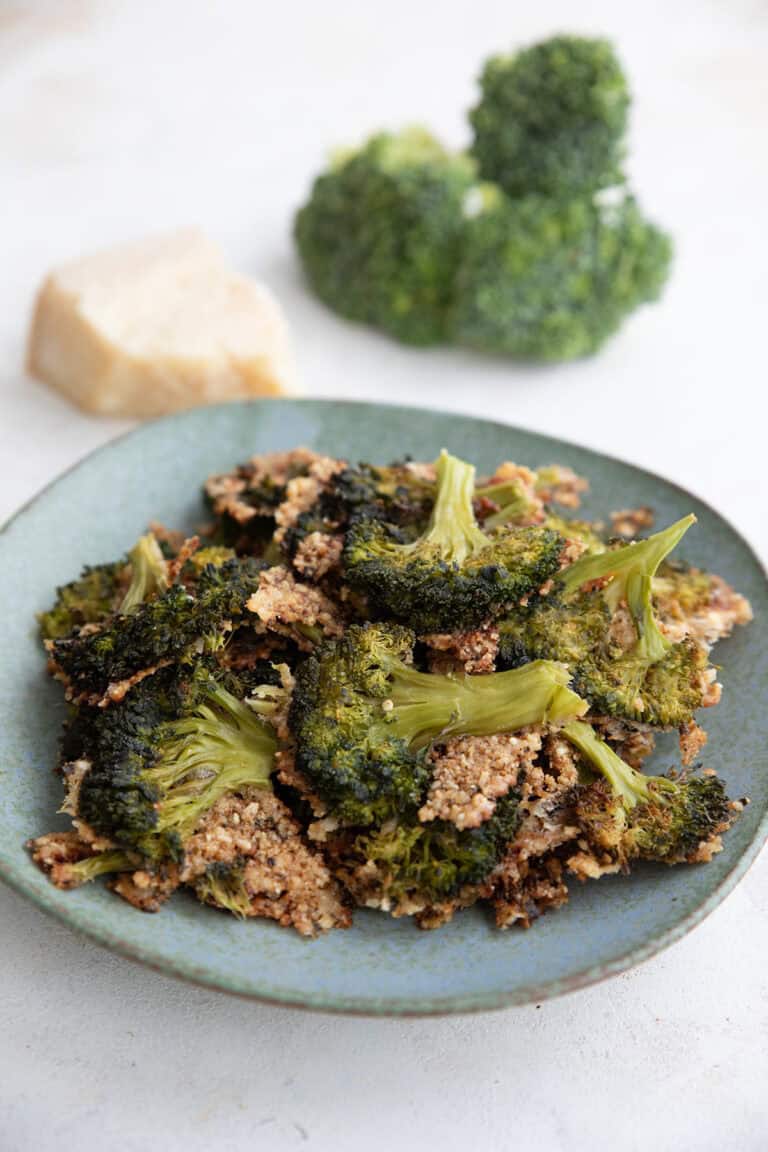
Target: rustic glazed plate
<point x="380" y="966"/>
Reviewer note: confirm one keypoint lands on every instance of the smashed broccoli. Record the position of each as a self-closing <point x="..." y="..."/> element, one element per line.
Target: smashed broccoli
<point x="87" y="600"/>
<point x="454" y="575"/>
<point x="163" y="756"/>
<point x="650" y="679"/>
<point x="363" y="718"/>
<point x="634" y="816"/>
<point x="380" y="234"/>
<point x="551" y="118"/>
<point x="544" y="279"/>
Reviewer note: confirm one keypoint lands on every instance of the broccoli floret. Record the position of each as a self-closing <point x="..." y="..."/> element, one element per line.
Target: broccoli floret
<point x="102" y="864"/>
<point x="163" y="628"/>
<point x="552" y="118"/>
<point x="429" y="863"/>
<point x="380" y="235"/>
<point x="363" y="718"/>
<point x="645" y="817"/>
<point x="161" y="758"/>
<point x="87" y="600"/>
<point x="544" y="279"/>
<point x="454" y="575"/>
<point x="149" y="572"/>
<point x="225" y="888"/>
<point x="652" y="680"/>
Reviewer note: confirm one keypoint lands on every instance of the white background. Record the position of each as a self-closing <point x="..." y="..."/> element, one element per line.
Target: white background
<point x="121" y="119"/>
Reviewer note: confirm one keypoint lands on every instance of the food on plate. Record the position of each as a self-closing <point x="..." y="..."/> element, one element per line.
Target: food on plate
<point x="531" y="245"/>
<point x="157" y="326"/>
<point x="399" y="687"/>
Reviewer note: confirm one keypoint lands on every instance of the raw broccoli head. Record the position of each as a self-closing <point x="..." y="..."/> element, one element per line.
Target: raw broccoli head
<point x="88" y="600"/>
<point x="546" y="279"/>
<point x="652" y="680"/>
<point x="379" y="237"/>
<point x="551" y="118"/>
<point x="162" y="628"/>
<point x="429" y="863"/>
<point x="163" y="756"/>
<point x="645" y="817"/>
<point x="454" y="575"/>
<point x="363" y="718"/>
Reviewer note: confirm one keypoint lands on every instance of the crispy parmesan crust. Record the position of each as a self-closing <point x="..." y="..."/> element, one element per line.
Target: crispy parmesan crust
<point x="470" y="773"/>
<point x="282" y="602"/>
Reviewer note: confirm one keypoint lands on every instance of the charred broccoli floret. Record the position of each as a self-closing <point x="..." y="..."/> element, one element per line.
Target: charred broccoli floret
<point x="547" y="279"/>
<point x="454" y="575"/>
<point x="163" y="628"/>
<point x="425" y="864"/>
<point x="552" y="118"/>
<point x="380" y="234"/>
<point x="633" y="816"/>
<point x="649" y="679"/>
<point x="87" y="600"/>
<point x="162" y="757"/>
<point x="363" y="718"/>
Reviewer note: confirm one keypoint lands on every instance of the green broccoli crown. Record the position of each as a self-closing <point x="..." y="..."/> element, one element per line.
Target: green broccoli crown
<point x="87" y="600"/>
<point x="653" y="680"/>
<point x="364" y="717"/>
<point x="161" y="758"/>
<point x="552" y="118"/>
<point x="160" y="629"/>
<point x="547" y="279"/>
<point x="432" y="862"/>
<point x="380" y="234"/>
<point x="454" y="575"/>
<point x="646" y="817"/>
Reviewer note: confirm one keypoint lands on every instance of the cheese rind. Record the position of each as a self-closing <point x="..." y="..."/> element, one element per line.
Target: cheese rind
<point x="156" y="327"/>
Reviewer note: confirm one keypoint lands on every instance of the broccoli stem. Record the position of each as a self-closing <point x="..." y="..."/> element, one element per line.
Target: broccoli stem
<point x="149" y="573"/>
<point x="631" y="570"/>
<point x="453" y="529"/>
<point x="425" y="705"/>
<point x="221" y="747"/>
<point x="225" y="890"/>
<point x="86" y="870"/>
<point x="632" y="786"/>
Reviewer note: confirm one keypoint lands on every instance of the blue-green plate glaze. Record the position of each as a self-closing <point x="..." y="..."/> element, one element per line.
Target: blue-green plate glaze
<point x="381" y="965"/>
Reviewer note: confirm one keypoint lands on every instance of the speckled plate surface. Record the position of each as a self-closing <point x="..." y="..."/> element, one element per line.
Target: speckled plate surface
<point x="381" y="966"/>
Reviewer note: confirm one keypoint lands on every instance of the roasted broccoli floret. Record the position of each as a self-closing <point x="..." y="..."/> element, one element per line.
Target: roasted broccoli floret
<point x="363" y="718"/>
<point x="163" y="628"/>
<point x="547" y="279"/>
<point x="163" y="756"/>
<point x="647" y="817"/>
<point x="552" y="118"/>
<point x="423" y="864"/>
<point x="380" y="235"/>
<point x="454" y="575"/>
<point x="641" y="677"/>
<point x="87" y="600"/>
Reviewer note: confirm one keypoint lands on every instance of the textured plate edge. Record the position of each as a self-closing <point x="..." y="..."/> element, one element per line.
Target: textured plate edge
<point x="14" y="876"/>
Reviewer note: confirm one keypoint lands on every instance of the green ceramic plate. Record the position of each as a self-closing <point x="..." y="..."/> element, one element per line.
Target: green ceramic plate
<point x="380" y="966"/>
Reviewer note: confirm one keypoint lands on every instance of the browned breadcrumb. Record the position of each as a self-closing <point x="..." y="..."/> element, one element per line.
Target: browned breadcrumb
<point x="562" y="486"/>
<point x="692" y="740"/>
<point x="539" y="887"/>
<point x="116" y="691"/>
<point x="436" y="915"/>
<point x="633" y="741"/>
<point x="55" y="852"/>
<point x="303" y="491"/>
<point x="470" y="773"/>
<point x="187" y="549"/>
<point x="145" y="890"/>
<point x="573" y="549"/>
<point x="588" y="864"/>
<point x="474" y="651"/>
<point x="318" y="554"/>
<point x="711" y="689"/>
<point x="708" y="622"/>
<point x="285" y="879"/>
<point x="525" y="480"/>
<point x="170" y="536"/>
<point x="225" y="491"/>
<point x="622" y="631"/>
<point x="282" y="601"/>
<point x="628" y="522"/>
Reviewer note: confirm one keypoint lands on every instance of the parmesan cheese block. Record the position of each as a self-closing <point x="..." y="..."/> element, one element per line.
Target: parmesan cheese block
<point x="157" y="326"/>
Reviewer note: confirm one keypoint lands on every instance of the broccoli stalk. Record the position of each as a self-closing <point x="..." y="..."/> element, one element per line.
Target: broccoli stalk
<point x="225" y="889"/>
<point x="454" y="575"/>
<point x="631" y="570"/>
<point x="646" y="817"/>
<point x="73" y="875"/>
<point x="149" y="572"/>
<point x="363" y="718"/>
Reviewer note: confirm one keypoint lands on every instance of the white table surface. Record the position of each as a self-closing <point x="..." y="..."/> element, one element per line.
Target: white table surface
<point x="121" y="119"/>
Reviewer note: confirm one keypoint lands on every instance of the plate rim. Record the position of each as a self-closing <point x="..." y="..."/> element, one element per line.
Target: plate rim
<point x="395" y="1006"/>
